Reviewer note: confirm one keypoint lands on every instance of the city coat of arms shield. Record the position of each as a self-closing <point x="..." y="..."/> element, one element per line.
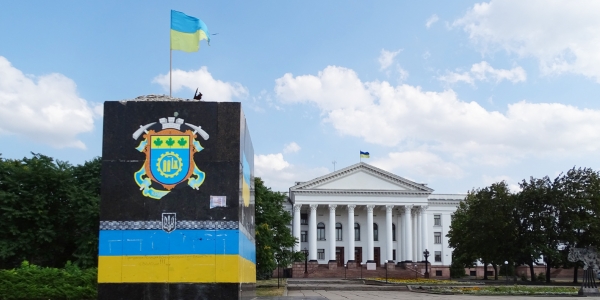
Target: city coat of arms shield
<point x="169" y="157"/>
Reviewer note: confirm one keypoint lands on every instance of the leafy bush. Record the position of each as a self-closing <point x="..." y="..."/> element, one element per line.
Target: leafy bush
<point x="523" y="276"/>
<point x="34" y="282"/>
<point x="457" y="270"/>
<point x="541" y="276"/>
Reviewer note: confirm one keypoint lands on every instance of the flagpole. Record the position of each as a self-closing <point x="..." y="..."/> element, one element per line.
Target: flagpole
<point x="170" y="70"/>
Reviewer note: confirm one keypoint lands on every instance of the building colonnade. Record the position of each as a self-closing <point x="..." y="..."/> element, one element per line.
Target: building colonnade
<point x="412" y="241"/>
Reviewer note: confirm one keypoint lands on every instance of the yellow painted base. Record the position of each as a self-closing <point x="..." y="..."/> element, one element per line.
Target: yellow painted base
<point x="176" y="268"/>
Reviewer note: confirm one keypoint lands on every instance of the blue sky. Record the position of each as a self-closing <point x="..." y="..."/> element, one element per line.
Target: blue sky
<point x="457" y="94"/>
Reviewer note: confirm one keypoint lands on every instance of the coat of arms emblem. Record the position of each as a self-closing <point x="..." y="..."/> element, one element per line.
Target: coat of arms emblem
<point x="169" y="156"/>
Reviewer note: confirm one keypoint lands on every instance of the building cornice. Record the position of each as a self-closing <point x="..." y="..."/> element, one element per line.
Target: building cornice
<point x="444" y="202"/>
<point x="362" y="192"/>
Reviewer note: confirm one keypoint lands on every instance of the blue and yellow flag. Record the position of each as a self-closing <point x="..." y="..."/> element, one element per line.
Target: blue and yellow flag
<point x="364" y="154"/>
<point x="187" y="32"/>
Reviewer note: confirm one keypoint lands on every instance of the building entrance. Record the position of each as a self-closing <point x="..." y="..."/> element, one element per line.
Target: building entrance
<point x="358" y="255"/>
<point x="339" y="256"/>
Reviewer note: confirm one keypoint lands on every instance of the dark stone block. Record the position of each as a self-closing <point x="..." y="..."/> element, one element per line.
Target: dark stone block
<point x="221" y="160"/>
<point x="164" y="291"/>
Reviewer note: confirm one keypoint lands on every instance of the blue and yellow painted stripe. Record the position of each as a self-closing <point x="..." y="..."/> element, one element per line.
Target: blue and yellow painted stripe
<point x="245" y="180"/>
<point x="192" y="256"/>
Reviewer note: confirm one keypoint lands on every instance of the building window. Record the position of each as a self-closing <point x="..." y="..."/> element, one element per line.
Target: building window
<point x="473" y="273"/>
<point x="394" y="255"/>
<point x="356" y="232"/>
<point x="375" y="232"/>
<point x="438" y="272"/>
<point x="394" y="233"/>
<point x="438" y="256"/>
<point x="437" y="237"/>
<point x="303" y="235"/>
<point x="320" y="253"/>
<point x="321" y="231"/>
<point x="303" y="219"/>
<point x="437" y="220"/>
<point x="338" y="231"/>
<point x="490" y="273"/>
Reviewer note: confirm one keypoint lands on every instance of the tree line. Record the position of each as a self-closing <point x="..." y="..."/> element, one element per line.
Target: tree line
<point x="49" y="215"/>
<point x="49" y="212"/>
<point x="536" y="225"/>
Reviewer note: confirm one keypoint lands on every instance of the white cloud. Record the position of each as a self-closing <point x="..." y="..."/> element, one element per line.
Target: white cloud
<point x="270" y="162"/>
<point x="280" y="175"/>
<point x="388" y="115"/>
<point x="484" y="72"/>
<point x="43" y="108"/>
<point x="422" y="163"/>
<point x="386" y="58"/>
<point x="402" y="74"/>
<point x="291" y="148"/>
<point x="563" y="36"/>
<point x="431" y="20"/>
<point x="331" y="89"/>
<point x="211" y="89"/>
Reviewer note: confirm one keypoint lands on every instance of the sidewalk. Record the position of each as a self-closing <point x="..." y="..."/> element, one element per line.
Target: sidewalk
<point x="393" y="295"/>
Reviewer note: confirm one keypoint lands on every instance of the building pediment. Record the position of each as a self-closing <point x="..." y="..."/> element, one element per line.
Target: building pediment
<point x="361" y="178"/>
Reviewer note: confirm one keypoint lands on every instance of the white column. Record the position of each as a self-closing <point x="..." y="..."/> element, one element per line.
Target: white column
<point x="408" y="230"/>
<point x="400" y="235"/>
<point x="370" y="250"/>
<point x="312" y="232"/>
<point x="424" y="236"/>
<point x="418" y="235"/>
<point x="389" y="247"/>
<point x="332" y="232"/>
<point x="351" y="232"/>
<point x="414" y="234"/>
<point x="296" y="225"/>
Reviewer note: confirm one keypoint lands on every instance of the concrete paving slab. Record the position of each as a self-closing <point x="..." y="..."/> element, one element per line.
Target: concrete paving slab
<point x="393" y="295"/>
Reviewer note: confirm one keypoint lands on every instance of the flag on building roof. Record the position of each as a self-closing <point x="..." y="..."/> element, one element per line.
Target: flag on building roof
<point x="187" y="32"/>
<point x="364" y="154"/>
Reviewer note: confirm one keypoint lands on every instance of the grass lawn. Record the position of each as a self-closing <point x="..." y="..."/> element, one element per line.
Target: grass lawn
<point x="509" y="290"/>
<point x="415" y="281"/>
<point x="269" y="287"/>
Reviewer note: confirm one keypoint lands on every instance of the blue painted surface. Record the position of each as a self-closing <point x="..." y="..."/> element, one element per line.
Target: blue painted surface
<point x="178" y="242"/>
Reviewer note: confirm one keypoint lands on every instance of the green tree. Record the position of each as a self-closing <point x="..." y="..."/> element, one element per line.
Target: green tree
<point x="85" y="211"/>
<point x="34" y="192"/>
<point x="48" y="210"/>
<point x="482" y="228"/>
<point x="273" y="237"/>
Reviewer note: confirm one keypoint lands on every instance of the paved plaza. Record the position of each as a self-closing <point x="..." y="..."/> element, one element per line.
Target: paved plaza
<point x="381" y="295"/>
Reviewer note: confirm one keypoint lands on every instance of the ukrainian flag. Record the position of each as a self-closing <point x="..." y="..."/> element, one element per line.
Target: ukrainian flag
<point x="364" y="154"/>
<point x="187" y="32"/>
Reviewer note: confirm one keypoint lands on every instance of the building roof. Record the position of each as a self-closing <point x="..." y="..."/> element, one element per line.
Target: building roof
<point x="361" y="177"/>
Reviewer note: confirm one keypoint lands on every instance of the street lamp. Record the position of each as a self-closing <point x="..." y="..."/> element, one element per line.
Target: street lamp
<point x="426" y="254"/>
<point x="278" y="259"/>
<point x="416" y="272"/>
<point x="386" y="274"/>
<point x="506" y="270"/>
<point x="360" y="264"/>
<point x="305" y="261"/>
<point x="345" y="268"/>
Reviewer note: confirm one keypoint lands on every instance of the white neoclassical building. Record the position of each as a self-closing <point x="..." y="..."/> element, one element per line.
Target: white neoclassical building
<point x="364" y="214"/>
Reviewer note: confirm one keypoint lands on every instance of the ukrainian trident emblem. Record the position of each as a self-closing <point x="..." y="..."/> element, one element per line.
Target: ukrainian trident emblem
<point x="169" y="156"/>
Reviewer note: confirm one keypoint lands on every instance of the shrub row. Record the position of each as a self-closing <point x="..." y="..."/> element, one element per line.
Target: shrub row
<point x="33" y="282"/>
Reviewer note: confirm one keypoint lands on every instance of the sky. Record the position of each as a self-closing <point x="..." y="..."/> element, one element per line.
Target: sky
<point x="455" y="94"/>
